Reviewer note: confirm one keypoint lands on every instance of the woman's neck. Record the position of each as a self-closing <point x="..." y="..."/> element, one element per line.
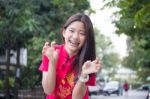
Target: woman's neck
<point x="70" y="53"/>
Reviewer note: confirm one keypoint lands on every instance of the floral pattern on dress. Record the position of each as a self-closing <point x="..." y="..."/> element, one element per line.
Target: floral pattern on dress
<point x="65" y="86"/>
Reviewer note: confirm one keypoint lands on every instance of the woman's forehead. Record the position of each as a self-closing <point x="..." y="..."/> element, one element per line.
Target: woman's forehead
<point x="77" y="25"/>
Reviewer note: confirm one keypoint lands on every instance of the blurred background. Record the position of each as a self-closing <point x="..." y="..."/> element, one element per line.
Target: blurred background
<point x="122" y="43"/>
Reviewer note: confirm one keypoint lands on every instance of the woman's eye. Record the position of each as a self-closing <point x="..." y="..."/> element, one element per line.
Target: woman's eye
<point x="82" y="33"/>
<point x="71" y="31"/>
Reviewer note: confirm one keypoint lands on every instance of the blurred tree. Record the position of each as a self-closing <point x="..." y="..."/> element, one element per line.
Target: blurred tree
<point x="25" y="22"/>
<point x="133" y="19"/>
<point x="52" y="14"/>
<point x="16" y="27"/>
<point x="109" y="58"/>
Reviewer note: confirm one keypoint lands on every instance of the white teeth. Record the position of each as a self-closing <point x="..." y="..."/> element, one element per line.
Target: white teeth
<point x="74" y="44"/>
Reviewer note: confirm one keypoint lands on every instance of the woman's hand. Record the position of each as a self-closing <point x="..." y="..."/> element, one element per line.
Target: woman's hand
<point x="46" y="45"/>
<point x="91" y="67"/>
<point x="50" y="52"/>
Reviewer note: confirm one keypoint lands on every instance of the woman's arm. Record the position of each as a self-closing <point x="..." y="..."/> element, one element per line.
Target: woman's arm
<point x="79" y="89"/>
<point x="49" y="79"/>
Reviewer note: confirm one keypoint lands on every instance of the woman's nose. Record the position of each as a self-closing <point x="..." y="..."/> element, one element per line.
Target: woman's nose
<point x="76" y="35"/>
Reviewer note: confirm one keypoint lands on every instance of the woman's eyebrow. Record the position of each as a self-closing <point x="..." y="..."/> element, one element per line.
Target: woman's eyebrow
<point x="82" y="30"/>
<point x="71" y="28"/>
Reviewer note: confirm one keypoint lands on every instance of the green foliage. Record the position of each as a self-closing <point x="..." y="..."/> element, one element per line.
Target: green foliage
<point x="143" y="74"/>
<point x="32" y="22"/>
<point x="1" y="85"/>
<point x="31" y="76"/>
<point x="104" y="51"/>
<point x="11" y="83"/>
<point x="111" y="60"/>
<point x="17" y="23"/>
<point x="134" y="21"/>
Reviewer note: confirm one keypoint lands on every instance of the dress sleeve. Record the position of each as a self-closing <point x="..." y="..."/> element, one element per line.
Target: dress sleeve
<point x="92" y="80"/>
<point x="44" y="63"/>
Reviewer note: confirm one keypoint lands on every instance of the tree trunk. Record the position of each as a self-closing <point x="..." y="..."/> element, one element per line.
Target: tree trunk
<point x="17" y="77"/>
<point x="7" y="73"/>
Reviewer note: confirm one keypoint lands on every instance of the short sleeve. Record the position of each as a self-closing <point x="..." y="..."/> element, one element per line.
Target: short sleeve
<point x="92" y="80"/>
<point x="44" y="63"/>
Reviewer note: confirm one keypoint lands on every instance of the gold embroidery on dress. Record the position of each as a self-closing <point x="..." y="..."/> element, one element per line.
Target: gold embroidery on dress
<point x="70" y="79"/>
<point x="66" y="90"/>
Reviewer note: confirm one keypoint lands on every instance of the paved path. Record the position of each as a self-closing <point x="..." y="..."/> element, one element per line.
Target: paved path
<point x="132" y="94"/>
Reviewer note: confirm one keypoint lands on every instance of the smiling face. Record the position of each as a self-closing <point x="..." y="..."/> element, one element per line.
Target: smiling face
<point x="74" y="36"/>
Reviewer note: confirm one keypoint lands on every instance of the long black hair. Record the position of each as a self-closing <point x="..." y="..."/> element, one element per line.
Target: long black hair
<point x="88" y="51"/>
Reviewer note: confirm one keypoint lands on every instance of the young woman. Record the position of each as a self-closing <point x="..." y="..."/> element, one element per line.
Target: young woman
<point x="69" y="68"/>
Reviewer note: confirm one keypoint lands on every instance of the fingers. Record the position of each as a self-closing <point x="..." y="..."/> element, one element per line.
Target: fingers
<point x="86" y="64"/>
<point x="46" y="45"/>
<point x="97" y="65"/>
<point x="53" y="43"/>
<point x="97" y="60"/>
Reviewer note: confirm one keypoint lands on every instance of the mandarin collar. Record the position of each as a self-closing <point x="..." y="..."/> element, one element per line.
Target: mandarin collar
<point x="66" y="55"/>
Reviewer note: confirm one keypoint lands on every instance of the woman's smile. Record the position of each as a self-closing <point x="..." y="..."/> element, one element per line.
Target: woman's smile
<point x="74" y="36"/>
